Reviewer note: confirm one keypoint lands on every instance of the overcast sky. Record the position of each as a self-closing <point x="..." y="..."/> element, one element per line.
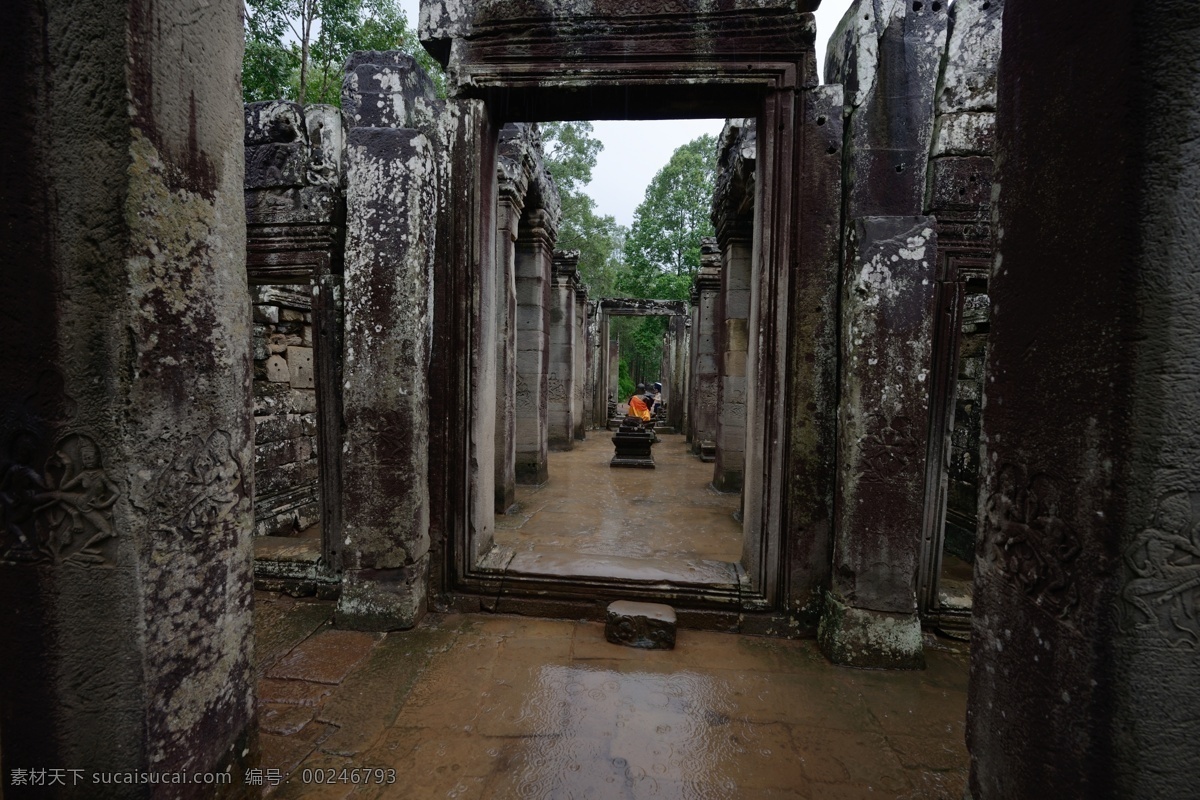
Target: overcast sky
<point x="635" y="151"/>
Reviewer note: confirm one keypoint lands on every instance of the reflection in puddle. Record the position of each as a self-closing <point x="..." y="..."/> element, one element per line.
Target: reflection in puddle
<point x="633" y="734"/>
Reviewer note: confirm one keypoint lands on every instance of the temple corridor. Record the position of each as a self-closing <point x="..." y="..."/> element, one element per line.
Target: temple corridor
<point x="669" y="512"/>
<point x="501" y="707"/>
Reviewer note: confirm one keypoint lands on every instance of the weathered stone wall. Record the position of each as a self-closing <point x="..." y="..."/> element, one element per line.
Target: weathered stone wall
<point x="883" y="416"/>
<point x="887" y="55"/>
<point x="126" y="453"/>
<point x="1085" y="632"/>
<point x="286" y="490"/>
<point x="295" y="238"/>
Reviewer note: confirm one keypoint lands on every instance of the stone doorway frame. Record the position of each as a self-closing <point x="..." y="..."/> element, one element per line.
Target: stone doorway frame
<point x="311" y="256"/>
<point x="608" y="307"/>
<point x="960" y="262"/>
<point x="750" y="63"/>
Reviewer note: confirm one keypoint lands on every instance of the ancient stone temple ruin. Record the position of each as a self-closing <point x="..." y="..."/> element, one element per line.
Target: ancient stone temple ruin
<point x="942" y="350"/>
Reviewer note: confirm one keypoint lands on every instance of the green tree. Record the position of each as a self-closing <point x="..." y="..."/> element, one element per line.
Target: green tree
<point x="295" y="49"/>
<point x="663" y="250"/>
<point x="570" y="156"/>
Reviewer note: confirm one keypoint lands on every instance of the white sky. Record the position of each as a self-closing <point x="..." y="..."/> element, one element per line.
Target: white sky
<point x="635" y="151"/>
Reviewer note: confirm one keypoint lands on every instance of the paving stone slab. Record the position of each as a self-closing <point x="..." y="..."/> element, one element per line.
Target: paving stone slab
<point x="326" y="657"/>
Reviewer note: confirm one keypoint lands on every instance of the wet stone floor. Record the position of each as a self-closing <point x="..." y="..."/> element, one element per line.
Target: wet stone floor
<point x="514" y="707"/>
<point x="586" y="506"/>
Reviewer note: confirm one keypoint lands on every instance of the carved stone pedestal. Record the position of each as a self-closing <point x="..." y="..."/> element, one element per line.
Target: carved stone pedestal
<point x="633" y="445"/>
<point x="650" y="626"/>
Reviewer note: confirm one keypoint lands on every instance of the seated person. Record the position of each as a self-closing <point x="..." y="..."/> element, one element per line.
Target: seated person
<point x="638" y="406"/>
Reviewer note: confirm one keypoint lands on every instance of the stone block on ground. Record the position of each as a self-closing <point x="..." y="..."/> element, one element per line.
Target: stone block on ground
<point x="650" y="626"/>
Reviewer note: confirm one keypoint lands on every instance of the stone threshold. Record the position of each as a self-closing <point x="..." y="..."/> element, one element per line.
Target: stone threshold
<point x="549" y="573"/>
<point x="293" y="565"/>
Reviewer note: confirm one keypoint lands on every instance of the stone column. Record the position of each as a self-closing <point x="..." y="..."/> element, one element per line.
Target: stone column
<point x="126" y="449"/>
<point x="581" y="395"/>
<point x="614" y="366"/>
<point x="812" y="372"/>
<point x="888" y="55"/>
<point x="535" y="247"/>
<point x="508" y="214"/>
<point x="560" y="381"/>
<point x="705" y="374"/>
<point x="735" y="340"/>
<point x="675" y="381"/>
<point x="598" y="369"/>
<point x="870" y="618"/>
<point x="1085" y="630"/>
<point x="390" y="199"/>
<point x="887" y="312"/>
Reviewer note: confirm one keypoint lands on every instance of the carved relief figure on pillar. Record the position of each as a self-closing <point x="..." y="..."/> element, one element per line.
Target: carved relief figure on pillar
<point x="1162" y="568"/>
<point x="63" y="514"/>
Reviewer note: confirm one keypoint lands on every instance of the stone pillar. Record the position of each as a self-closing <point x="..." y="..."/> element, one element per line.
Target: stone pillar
<point x="560" y="381"/>
<point x="693" y="322"/>
<point x="390" y="198"/>
<point x="598" y="369"/>
<point x="1085" y="630"/>
<point x="892" y="63"/>
<point x="581" y="395"/>
<point x="508" y="215"/>
<point x="705" y="371"/>
<point x="126" y="454"/>
<point x="870" y="618"/>
<point x="734" y="312"/>
<point x="812" y="374"/>
<point x="535" y="247"/>
<point x="614" y="366"/>
<point x="889" y="64"/>
<point x="675" y="382"/>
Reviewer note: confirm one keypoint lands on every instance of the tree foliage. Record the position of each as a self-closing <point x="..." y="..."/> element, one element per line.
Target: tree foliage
<point x="663" y="250"/>
<point x="296" y="49"/>
<point x="570" y="156"/>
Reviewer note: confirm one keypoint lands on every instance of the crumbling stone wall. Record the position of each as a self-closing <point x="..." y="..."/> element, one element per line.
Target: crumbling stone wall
<point x="286" y="489"/>
<point x="295" y="239"/>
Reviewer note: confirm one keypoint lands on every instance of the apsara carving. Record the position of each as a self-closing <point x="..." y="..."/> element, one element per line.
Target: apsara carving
<point x="1162" y="571"/>
<point x="62" y="514"/>
<point x="1030" y="542"/>
<point x="202" y="486"/>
